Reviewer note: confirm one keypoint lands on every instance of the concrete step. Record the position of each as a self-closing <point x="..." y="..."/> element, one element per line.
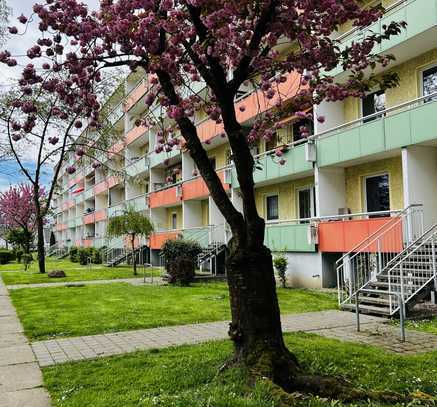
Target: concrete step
<point x="368" y="309"/>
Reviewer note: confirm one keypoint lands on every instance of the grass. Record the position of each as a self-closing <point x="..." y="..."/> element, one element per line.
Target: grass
<point x="13" y="273"/>
<point x="423" y="325"/>
<point x="93" y="309"/>
<point x="187" y="376"/>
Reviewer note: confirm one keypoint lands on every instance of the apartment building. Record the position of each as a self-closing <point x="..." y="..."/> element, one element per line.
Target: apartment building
<point x="372" y="160"/>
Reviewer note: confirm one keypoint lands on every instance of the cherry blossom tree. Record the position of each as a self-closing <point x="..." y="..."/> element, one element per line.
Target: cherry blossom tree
<point x="18" y="212"/>
<point x="220" y="47"/>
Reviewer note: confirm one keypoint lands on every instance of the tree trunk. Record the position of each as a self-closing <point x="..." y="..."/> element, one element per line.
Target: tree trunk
<point x="40" y="244"/>
<point x="256" y="326"/>
<point x="134" y="257"/>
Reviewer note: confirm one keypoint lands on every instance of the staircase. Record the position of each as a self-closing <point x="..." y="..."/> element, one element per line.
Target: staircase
<point x="115" y="256"/>
<point x="211" y="252"/>
<point x="394" y="267"/>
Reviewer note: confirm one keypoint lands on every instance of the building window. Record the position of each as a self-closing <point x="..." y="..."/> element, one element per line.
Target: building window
<point x="306" y="202"/>
<point x="174" y="221"/>
<point x="272" y="143"/>
<point x="373" y="103"/>
<point x="377" y="193"/>
<point x="429" y="83"/>
<point x="302" y="129"/>
<point x="213" y="162"/>
<point x="272" y="206"/>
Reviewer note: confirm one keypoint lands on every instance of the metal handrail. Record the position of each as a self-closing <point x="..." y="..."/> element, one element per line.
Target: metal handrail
<point x="390" y="293"/>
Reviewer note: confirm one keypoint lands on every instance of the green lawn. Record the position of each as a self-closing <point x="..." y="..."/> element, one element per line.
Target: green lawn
<point x="424" y="325"/>
<point x="13" y="273"/>
<point x="187" y="376"/>
<point x="76" y="311"/>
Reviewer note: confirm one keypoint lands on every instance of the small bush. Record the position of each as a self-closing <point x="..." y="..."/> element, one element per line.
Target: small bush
<point x="96" y="256"/>
<point x="281" y="262"/>
<point x="6" y="256"/>
<point x="27" y="260"/>
<point x="181" y="271"/>
<point x="83" y="254"/>
<point x="74" y="254"/>
<point x="180" y="248"/>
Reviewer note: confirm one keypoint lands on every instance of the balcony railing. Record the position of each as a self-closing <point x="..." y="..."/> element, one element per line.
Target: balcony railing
<point x="138" y="166"/>
<point x="398" y="126"/>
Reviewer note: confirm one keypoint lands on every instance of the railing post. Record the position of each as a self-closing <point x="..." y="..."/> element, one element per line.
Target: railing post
<point x="357" y="309"/>
<point x="401" y="274"/>
<point x="402" y="318"/>
<point x="379" y="257"/>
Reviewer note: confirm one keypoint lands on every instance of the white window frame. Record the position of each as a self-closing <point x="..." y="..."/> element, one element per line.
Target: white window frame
<point x="421" y="72"/>
<point x="364" y="186"/>
<point x="174" y="215"/>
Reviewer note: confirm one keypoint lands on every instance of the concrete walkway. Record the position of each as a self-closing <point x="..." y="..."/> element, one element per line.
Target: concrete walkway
<point x="56" y="351"/>
<point x="20" y="376"/>
<point x="132" y="281"/>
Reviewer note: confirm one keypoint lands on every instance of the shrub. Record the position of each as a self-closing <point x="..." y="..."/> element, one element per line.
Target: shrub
<point x="83" y="254"/>
<point x="96" y="256"/>
<point x="6" y="256"/>
<point x="175" y="249"/>
<point x="74" y="254"/>
<point x="181" y="271"/>
<point x="281" y="262"/>
<point x="26" y="259"/>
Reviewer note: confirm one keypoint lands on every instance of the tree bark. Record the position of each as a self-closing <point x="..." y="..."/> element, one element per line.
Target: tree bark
<point x="256" y="326"/>
<point x="40" y="244"/>
<point x="134" y="257"/>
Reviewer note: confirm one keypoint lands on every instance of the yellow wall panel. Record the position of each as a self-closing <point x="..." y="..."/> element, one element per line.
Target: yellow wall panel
<point x="219" y="153"/>
<point x="355" y="175"/>
<point x="170" y="212"/>
<point x="205" y="212"/>
<point x="287" y="197"/>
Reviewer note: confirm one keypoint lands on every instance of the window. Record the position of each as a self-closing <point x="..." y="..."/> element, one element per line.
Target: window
<point x="272" y="143"/>
<point x="377" y="193"/>
<point x="272" y="205"/>
<point x="306" y="202"/>
<point x="429" y="83"/>
<point x="228" y="156"/>
<point x="373" y="103"/>
<point x="174" y="221"/>
<point x="297" y="133"/>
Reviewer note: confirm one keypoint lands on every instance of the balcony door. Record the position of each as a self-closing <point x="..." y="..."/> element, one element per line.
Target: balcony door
<point x="377" y="193"/>
<point x="373" y="103"/>
<point x="306" y="203"/>
<point x="429" y="83"/>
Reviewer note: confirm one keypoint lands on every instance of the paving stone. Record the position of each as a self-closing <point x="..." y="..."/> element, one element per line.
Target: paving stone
<point x="25" y="398"/>
<point x="19" y="377"/>
<point x="16" y="354"/>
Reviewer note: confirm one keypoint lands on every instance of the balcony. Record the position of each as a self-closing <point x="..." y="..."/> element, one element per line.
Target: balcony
<point x="89" y="193"/>
<point x="289" y="236"/>
<point x="157" y="159"/>
<point x="116" y="210"/>
<point x="135" y="95"/>
<point x="295" y="163"/>
<point x="134" y="133"/>
<point x="100" y="215"/>
<point x="420" y="16"/>
<point x="409" y="123"/>
<point x="116" y="114"/>
<point x="200" y="235"/>
<point x="71" y="223"/>
<point x="89" y="219"/>
<point x="138" y="167"/>
<point x="60" y="227"/>
<point x="157" y="239"/>
<point x="166" y="197"/>
<point x="344" y="235"/>
<point x="106" y="184"/>
<point x="79" y="221"/>
<point x="196" y="188"/>
<point x="141" y="203"/>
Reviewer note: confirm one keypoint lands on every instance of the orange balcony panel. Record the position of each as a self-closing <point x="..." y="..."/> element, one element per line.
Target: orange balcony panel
<point x="196" y="188"/>
<point x="135" y="95"/>
<point x="100" y="215"/>
<point x="61" y="226"/>
<point x="71" y="182"/>
<point x="164" y="197"/>
<point x="113" y="181"/>
<point x="115" y="149"/>
<point x="88" y="219"/>
<point x="158" y="239"/>
<point x="134" y="133"/>
<point x="343" y="236"/>
<point x="78" y="243"/>
<point x="100" y="187"/>
<point x="254" y="104"/>
<point x="88" y="242"/>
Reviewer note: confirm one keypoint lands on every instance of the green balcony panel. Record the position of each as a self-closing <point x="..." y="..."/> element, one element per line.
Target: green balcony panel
<point x="200" y="235"/>
<point x="398" y="129"/>
<point x="270" y="169"/>
<point x="116" y="210"/>
<point x="138" y="167"/>
<point x="79" y="221"/>
<point x="156" y="159"/>
<point x="89" y="193"/>
<point x="420" y="16"/>
<point x="288" y="237"/>
<point x="139" y="204"/>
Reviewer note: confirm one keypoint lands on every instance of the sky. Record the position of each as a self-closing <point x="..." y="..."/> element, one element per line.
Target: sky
<point x="18" y="45"/>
